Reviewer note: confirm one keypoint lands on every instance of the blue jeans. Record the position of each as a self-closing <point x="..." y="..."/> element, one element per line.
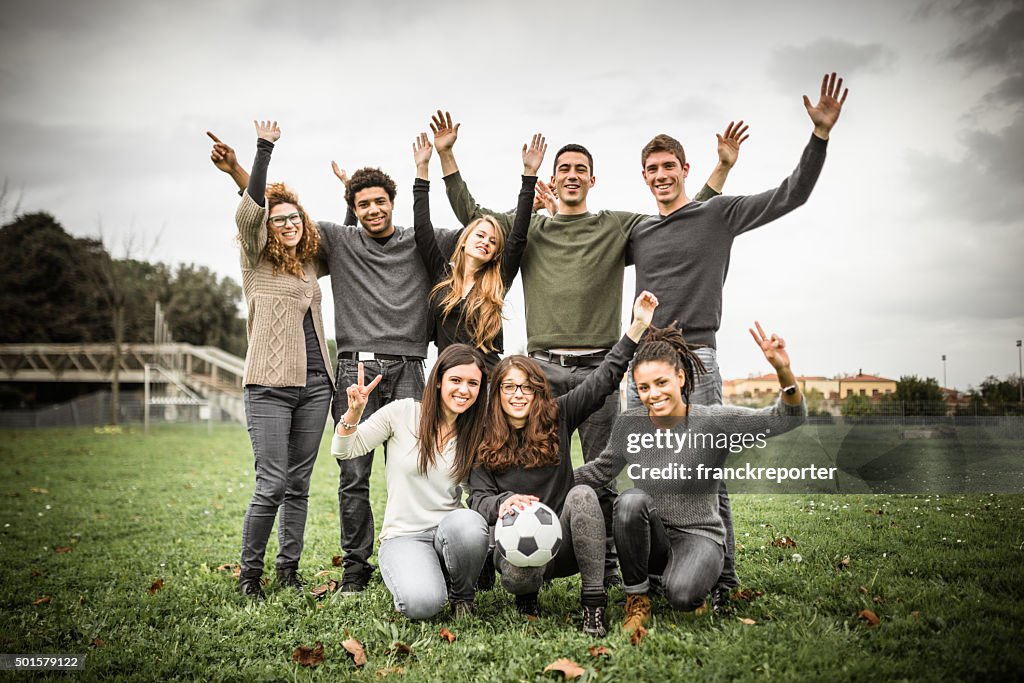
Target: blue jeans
<point x="419" y="569"/>
<point x="594" y="434"/>
<point x="708" y="392"/>
<point x="689" y="564"/>
<point x="400" y="379"/>
<point x="286" y="425"/>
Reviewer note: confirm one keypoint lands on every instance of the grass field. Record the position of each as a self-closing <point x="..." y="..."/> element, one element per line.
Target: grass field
<point x="111" y="544"/>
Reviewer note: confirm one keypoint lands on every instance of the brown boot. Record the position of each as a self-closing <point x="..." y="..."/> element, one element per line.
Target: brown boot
<point x="638" y="611"/>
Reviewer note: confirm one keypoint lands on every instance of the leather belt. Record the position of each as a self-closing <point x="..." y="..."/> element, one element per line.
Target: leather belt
<point x="570" y="360"/>
<point x="366" y="355"/>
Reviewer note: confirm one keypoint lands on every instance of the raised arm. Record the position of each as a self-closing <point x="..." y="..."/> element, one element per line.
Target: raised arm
<point x="588" y="397"/>
<point x="251" y="217"/>
<point x="515" y="244"/>
<point x="350" y="214"/>
<point x="224" y="158"/>
<point x="728" y="153"/>
<point x="426" y="240"/>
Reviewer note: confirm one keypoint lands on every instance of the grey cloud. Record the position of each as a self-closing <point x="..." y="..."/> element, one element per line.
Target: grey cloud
<point x="800" y="68"/>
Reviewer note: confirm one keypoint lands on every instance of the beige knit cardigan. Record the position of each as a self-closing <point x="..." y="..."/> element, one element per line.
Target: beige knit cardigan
<point x="276" y="356"/>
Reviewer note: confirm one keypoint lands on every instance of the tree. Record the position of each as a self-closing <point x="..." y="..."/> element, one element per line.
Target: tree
<point x="920" y="396"/>
<point x="203" y="309"/>
<point x="856" y="405"/>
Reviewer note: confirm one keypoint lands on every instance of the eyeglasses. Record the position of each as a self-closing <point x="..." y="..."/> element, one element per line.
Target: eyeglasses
<point x="281" y="221"/>
<point x="509" y="388"/>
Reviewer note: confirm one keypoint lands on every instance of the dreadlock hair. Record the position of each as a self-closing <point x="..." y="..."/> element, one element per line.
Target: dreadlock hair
<point x="483" y="305"/>
<point x="468" y="425"/>
<point x="666" y="344"/>
<point x="536" y="444"/>
<point x="308" y="246"/>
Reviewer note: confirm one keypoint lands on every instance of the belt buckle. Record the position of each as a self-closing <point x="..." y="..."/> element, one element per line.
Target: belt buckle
<point x="364" y="356"/>
<point x="562" y="358"/>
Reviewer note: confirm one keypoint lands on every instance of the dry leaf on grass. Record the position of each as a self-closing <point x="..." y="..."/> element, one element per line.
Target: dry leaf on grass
<point x="877" y="599"/>
<point x="42" y="601"/>
<point x="568" y="668"/>
<point x="784" y="542"/>
<point x="336" y="560"/>
<point x="870" y="617"/>
<point x="701" y="611"/>
<point x="324" y="572"/>
<point x="355" y="649"/>
<point x="862" y="589"/>
<point x="36" y="489"/>
<point x="637" y="635"/>
<point x="447" y="635"/>
<point x="97" y="643"/>
<point x="400" y="648"/>
<point x="745" y="595"/>
<point x="62" y="549"/>
<point x="599" y="651"/>
<point x="843" y="563"/>
<point x="309" y="656"/>
<point x="157" y="585"/>
<point x="322" y="590"/>
<point x="748" y="621"/>
<point x="396" y="670"/>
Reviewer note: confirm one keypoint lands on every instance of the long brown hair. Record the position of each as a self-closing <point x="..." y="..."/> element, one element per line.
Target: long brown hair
<point x="666" y="344"/>
<point x="468" y="425"/>
<point x="482" y="311"/>
<point x="308" y="246"/>
<point x="536" y="444"/>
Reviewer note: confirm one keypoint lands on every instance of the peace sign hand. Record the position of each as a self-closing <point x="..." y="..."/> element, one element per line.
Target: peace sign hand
<point x="773" y="347"/>
<point x="358" y="394"/>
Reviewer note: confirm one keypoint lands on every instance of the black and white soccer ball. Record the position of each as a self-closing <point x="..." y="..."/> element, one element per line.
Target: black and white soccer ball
<point x="530" y="537"/>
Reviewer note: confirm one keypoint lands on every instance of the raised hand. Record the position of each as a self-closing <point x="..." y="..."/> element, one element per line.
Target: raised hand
<point x="533" y="156"/>
<point x="515" y="502"/>
<point x="544" y="198"/>
<point x="729" y="143"/>
<point x="267" y="130"/>
<point x="358" y="394"/>
<point x="773" y="348"/>
<point x="222" y="156"/>
<point x="340" y="173"/>
<point x="421" y="150"/>
<point x="643" y="308"/>
<point x="826" y="112"/>
<point x="445" y="134"/>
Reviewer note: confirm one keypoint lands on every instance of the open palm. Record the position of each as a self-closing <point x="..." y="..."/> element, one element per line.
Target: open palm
<point x="826" y="112"/>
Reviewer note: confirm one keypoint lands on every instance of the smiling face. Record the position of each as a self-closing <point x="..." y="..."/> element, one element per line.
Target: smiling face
<point x="515" y="405"/>
<point x="665" y="175"/>
<point x="459" y="389"/>
<point x="572" y="180"/>
<point x="660" y="387"/>
<point x="481" y="243"/>
<point x="285" y="223"/>
<point x="373" y="208"/>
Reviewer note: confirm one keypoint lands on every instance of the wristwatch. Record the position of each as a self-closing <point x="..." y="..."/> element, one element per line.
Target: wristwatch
<point x="790" y="390"/>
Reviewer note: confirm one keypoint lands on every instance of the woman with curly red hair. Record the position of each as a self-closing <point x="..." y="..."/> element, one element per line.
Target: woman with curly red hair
<point x="524" y="456"/>
<point x="288" y="386"/>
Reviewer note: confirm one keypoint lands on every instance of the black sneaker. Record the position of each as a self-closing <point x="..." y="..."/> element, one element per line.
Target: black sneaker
<point x="463" y="608"/>
<point x="251" y="588"/>
<point x="289" y="578"/>
<point x="612" y="581"/>
<point x="350" y="588"/>
<point x="527" y="605"/>
<point x="721" y="603"/>
<point x="593" y="621"/>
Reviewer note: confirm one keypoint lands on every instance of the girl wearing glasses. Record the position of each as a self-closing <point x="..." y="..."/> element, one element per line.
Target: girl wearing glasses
<point x="525" y="456"/>
<point x="431" y="548"/>
<point x="288" y="387"/>
<point x="469" y="286"/>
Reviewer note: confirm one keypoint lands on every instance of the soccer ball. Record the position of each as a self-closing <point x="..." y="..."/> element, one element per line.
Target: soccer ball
<point x="530" y="537"/>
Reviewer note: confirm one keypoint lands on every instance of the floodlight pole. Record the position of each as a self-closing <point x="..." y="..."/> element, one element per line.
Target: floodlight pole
<point x="944" y="371"/>
<point x="1020" y="380"/>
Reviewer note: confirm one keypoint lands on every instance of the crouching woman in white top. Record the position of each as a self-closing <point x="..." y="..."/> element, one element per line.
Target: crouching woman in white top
<point x="432" y="549"/>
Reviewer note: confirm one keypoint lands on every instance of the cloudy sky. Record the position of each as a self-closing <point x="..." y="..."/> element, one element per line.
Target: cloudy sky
<point x="909" y="248"/>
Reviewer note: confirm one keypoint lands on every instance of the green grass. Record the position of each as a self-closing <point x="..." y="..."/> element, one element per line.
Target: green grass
<point x="945" y="574"/>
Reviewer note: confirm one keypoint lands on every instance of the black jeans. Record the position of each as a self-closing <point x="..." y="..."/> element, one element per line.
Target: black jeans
<point x="689" y="564"/>
<point x="400" y="379"/>
<point x="286" y="425"/>
<point x="594" y="433"/>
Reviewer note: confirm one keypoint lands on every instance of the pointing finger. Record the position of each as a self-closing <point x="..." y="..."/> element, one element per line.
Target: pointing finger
<point x="213" y="137"/>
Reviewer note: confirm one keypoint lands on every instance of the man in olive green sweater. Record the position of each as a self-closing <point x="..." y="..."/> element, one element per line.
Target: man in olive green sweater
<point x="572" y="272"/>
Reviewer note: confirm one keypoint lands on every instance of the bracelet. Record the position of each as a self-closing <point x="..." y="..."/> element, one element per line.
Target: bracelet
<point x="346" y="426"/>
<point x="788" y="391"/>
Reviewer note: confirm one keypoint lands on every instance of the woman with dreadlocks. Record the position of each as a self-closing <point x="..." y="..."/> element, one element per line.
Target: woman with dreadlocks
<point x="525" y="456"/>
<point x="469" y="285"/>
<point x="667" y="526"/>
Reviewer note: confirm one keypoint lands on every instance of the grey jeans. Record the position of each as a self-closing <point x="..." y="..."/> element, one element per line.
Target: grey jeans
<point x="582" y="550"/>
<point x="286" y="425"/>
<point x="423" y="571"/>
<point x="708" y="392"/>
<point x="689" y="564"/>
<point x="400" y="379"/>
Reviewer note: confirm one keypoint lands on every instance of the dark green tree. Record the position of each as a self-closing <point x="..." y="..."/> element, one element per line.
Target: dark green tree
<point x="920" y="396"/>
<point x="203" y="309"/>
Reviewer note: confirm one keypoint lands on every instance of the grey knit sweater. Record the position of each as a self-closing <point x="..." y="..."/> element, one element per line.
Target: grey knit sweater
<point x="678" y="507"/>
